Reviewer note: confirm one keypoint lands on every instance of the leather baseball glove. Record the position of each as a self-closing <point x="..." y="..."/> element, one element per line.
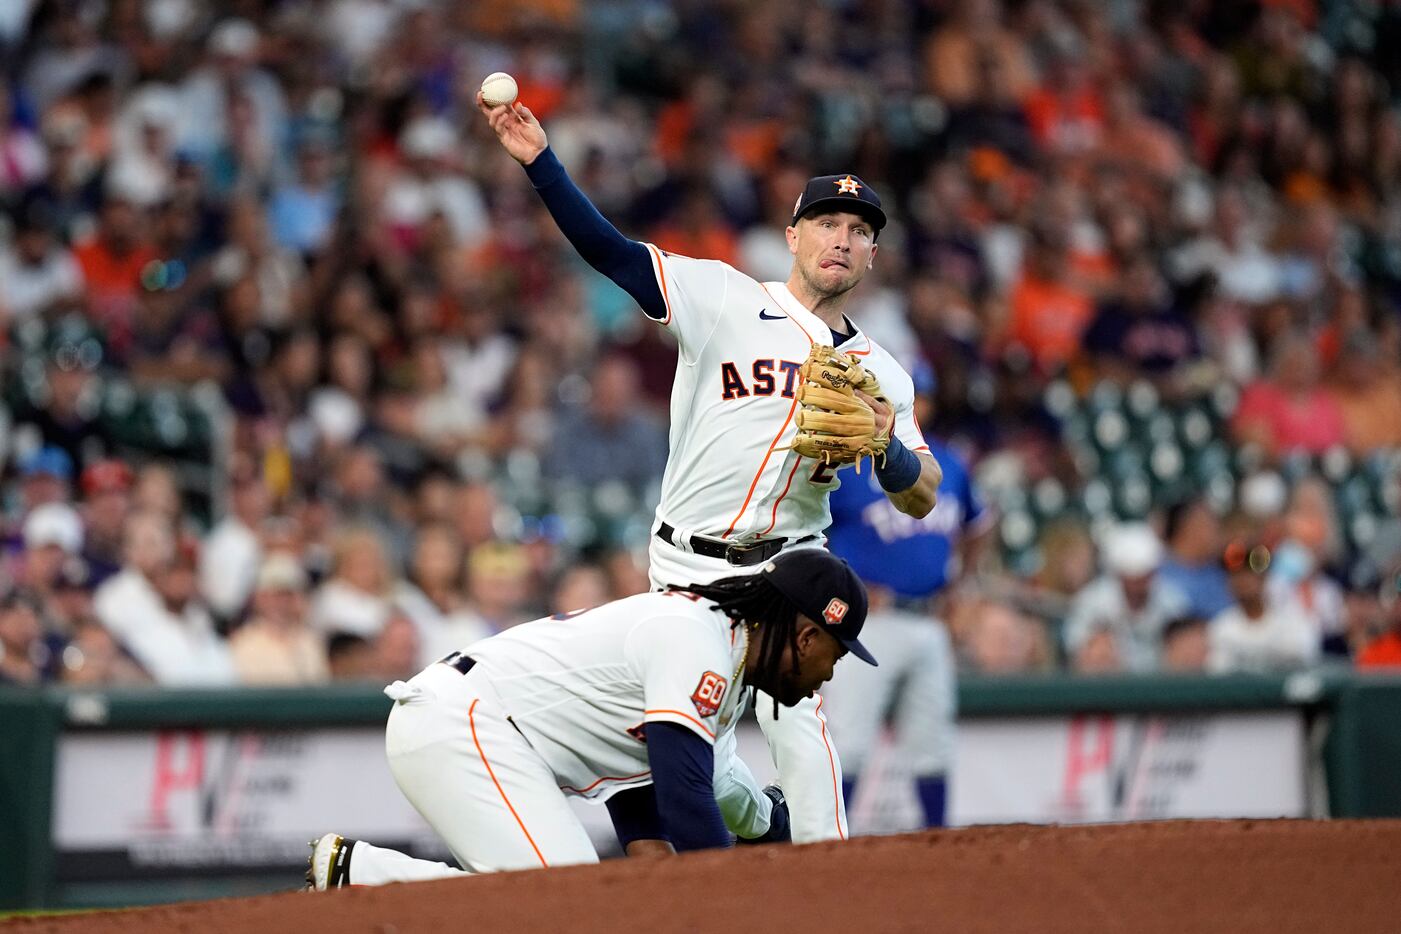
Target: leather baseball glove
<point x="835" y="425"/>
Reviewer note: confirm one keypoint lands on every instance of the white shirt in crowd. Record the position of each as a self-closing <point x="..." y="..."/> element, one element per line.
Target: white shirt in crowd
<point x="411" y="201"/>
<point x="1282" y="638"/>
<point x="1101" y="605"/>
<point x="1319" y="598"/>
<point x="338" y="607"/>
<point x="27" y="290"/>
<point x="1247" y="273"/>
<point x="439" y="633"/>
<point x="176" y="650"/>
<point x="228" y="566"/>
<point x="478" y="370"/>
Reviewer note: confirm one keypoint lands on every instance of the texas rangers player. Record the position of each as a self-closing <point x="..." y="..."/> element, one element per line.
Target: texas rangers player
<point x="633" y="704"/>
<point x="735" y="493"/>
<point x="905" y="562"/>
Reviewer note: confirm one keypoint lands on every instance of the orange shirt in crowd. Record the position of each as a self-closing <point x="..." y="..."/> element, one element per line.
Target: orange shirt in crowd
<point x="1070" y="123"/>
<point x="542" y="95"/>
<point x="500" y="17"/>
<point x="754" y="142"/>
<point x="711" y="241"/>
<point x="112" y="284"/>
<point x="671" y="129"/>
<point x="1144" y="145"/>
<point x="954" y="62"/>
<point x="1048" y="319"/>
<point x="1371" y="416"/>
<point x="1384" y="652"/>
<point x="107" y="274"/>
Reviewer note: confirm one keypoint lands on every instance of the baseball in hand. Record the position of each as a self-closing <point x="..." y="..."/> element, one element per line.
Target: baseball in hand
<point x="499" y="88"/>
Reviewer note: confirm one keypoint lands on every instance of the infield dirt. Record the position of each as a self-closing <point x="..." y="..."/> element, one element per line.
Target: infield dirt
<point x="1177" y="877"/>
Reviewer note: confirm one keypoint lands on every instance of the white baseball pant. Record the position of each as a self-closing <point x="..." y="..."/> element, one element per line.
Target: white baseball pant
<point x="800" y="741"/>
<point x="914" y="689"/>
<point x="476" y="781"/>
<point x="489" y="795"/>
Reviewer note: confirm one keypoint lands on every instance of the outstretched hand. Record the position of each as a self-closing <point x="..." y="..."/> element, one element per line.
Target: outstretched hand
<point x="517" y="129"/>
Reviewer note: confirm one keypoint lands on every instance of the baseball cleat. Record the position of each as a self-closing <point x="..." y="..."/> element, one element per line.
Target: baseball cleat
<point x="328" y="866"/>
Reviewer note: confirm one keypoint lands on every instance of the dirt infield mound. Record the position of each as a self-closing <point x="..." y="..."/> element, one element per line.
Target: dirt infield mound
<point x="1178" y="877"/>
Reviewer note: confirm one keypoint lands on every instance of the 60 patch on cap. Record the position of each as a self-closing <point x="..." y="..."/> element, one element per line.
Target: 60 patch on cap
<point x="826" y="590"/>
<point x="840" y="193"/>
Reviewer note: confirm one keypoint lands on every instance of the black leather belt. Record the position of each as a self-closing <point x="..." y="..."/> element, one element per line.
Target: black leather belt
<point x="459" y="661"/>
<point x="742" y="554"/>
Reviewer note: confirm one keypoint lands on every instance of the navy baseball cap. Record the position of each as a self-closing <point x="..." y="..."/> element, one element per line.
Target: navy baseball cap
<point x="840" y="193"/>
<point x="826" y="590"/>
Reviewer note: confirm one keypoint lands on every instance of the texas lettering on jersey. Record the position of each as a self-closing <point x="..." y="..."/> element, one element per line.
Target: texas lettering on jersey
<point x="892" y="525"/>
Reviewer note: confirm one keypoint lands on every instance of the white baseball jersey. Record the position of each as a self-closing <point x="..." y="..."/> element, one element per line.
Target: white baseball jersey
<point x="729" y="474"/>
<point x="560" y="707"/>
<point x="581" y="687"/>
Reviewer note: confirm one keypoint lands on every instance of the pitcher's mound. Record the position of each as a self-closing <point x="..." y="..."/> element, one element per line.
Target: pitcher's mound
<point x="1177" y="877"/>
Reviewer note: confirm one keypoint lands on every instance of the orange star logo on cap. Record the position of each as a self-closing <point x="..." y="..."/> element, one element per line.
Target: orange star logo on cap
<point x="848" y="186"/>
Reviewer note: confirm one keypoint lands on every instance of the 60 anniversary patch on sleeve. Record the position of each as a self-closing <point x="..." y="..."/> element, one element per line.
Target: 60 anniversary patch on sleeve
<point x="709" y="693"/>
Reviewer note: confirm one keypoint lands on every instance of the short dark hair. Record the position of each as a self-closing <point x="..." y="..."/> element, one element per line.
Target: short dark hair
<point x="1176" y="516"/>
<point x="1179" y="625"/>
<point x="343" y="643"/>
<point x="15" y="597"/>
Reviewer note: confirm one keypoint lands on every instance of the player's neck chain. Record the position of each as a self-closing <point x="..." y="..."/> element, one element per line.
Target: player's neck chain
<point x="745" y="627"/>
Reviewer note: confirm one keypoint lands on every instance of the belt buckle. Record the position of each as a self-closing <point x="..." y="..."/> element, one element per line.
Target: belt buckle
<point x="736" y="553"/>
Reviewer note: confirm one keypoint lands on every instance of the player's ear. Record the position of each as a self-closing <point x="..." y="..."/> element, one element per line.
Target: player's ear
<point x="791" y="233"/>
<point x="807" y="635"/>
<point x="871" y="260"/>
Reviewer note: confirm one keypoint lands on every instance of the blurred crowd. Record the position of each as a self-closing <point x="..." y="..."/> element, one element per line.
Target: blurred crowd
<point x="300" y="382"/>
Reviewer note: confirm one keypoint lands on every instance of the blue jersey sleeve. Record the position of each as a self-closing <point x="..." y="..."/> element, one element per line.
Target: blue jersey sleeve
<point x="683" y="776"/>
<point x="626" y="262"/>
<point x="635" y="817"/>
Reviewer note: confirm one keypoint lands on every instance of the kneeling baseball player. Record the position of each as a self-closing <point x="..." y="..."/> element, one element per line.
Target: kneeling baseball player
<point x="633" y="704"/>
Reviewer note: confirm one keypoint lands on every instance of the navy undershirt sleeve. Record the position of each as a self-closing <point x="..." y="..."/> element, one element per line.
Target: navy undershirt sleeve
<point x="683" y="776"/>
<point x="634" y="814"/>
<point x="602" y="246"/>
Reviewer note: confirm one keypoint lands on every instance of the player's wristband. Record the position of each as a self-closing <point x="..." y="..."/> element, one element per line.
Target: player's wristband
<point x="901" y="468"/>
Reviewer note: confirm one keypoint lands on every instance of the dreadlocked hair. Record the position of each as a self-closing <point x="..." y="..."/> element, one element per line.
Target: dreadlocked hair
<point x="752" y="599"/>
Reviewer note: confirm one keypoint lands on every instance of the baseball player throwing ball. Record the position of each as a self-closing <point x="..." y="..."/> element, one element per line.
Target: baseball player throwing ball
<point x="775" y="391"/>
<point x="633" y="703"/>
